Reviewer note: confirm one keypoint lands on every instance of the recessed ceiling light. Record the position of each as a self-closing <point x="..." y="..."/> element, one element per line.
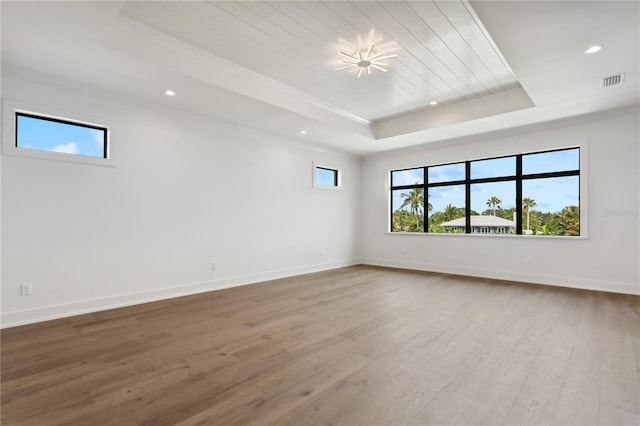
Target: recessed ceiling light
<point x="593" y="49"/>
<point x="303" y="132"/>
<point x="169" y="92"/>
<point x="433" y="103"/>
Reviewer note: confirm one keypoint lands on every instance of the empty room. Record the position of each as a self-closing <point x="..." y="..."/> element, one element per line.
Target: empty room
<point x="320" y="213"/>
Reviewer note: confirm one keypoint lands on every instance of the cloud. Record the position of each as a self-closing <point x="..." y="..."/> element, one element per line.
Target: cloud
<point x="68" y="148"/>
<point x="447" y="172"/>
<point x="408" y="177"/>
<point x="98" y="138"/>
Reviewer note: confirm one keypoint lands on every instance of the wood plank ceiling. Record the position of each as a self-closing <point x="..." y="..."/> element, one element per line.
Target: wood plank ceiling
<point x="444" y="52"/>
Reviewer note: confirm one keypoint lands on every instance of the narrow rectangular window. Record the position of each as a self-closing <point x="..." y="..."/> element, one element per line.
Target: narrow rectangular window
<point x="446" y="173"/>
<point x="407" y="177"/>
<point x="43" y="133"/>
<point x="495" y="167"/>
<point x="551" y="161"/>
<point x="325" y="177"/>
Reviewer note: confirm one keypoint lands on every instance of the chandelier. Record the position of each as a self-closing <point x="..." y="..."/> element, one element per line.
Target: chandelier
<point x="361" y="61"/>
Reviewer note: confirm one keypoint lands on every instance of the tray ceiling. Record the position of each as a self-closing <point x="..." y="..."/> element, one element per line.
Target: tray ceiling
<point x="444" y="52"/>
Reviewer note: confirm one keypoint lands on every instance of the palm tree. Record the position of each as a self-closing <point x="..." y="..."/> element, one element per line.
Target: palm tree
<point x="527" y="203"/>
<point x="415" y="201"/>
<point x="450" y="213"/>
<point x="494" y="202"/>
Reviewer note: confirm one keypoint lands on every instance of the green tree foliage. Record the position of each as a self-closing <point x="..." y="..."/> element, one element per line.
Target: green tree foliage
<point x="567" y="222"/>
<point x="451" y="212"/>
<point x="404" y="221"/>
<point x="409" y="217"/>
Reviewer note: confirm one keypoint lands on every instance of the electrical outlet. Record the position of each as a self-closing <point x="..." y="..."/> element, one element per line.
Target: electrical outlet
<point x="214" y="266"/>
<point x="321" y="253"/>
<point x="26" y="289"/>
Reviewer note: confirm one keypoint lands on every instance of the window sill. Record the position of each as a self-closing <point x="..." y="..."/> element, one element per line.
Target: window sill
<point x="531" y="237"/>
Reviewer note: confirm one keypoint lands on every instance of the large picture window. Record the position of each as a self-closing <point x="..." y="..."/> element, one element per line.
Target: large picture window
<point x="524" y="194"/>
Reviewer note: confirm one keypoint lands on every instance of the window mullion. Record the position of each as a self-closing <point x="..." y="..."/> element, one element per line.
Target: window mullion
<point x="425" y="184"/>
<point x="467" y="190"/>
<point x="519" y="194"/>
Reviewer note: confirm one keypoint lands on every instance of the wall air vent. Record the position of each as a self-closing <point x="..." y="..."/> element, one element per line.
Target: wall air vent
<point x="612" y="80"/>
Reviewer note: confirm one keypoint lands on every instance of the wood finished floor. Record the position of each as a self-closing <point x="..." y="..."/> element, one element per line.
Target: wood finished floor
<point x="357" y="345"/>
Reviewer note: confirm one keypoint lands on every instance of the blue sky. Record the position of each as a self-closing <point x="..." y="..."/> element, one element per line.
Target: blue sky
<point x="325" y="177"/>
<point x="550" y="194"/>
<point x="48" y="135"/>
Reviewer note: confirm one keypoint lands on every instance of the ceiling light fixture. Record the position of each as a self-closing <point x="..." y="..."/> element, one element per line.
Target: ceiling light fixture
<point x="169" y="92"/>
<point x="433" y="103"/>
<point x="303" y="132"/>
<point x="363" y="60"/>
<point x="593" y="49"/>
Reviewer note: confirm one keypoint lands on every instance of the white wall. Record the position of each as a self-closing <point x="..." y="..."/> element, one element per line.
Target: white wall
<point x="187" y="191"/>
<point x="607" y="260"/>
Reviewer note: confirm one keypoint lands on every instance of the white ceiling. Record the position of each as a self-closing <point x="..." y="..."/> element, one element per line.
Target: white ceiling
<point x="270" y="65"/>
<point x="444" y="54"/>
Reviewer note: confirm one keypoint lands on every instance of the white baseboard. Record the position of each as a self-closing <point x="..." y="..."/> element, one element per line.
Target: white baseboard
<point x="45" y="313"/>
<point x="572" y="282"/>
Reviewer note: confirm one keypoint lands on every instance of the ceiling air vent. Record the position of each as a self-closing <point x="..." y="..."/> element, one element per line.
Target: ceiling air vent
<point x="612" y="80"/>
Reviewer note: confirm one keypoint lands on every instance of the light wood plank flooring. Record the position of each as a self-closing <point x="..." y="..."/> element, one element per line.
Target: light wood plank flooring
<point x="357" y="345"/>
